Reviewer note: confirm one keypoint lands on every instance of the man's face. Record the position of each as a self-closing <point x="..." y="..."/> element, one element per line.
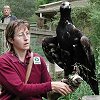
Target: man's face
<point x="21" y="40"/>
<point x="6" y="11"/>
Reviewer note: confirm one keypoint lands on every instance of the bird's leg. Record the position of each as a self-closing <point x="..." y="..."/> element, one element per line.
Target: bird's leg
<point x="73" y="81"/>
<point x="76" y="69"/>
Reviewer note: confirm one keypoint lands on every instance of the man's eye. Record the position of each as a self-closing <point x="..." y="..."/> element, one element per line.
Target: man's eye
<point x="21" y="34"/>
<point x="27" y="33"/>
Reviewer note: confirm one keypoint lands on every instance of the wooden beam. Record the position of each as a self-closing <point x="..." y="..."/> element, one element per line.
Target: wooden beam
<point x="33" y="30"/>
<point x="54" y="7"/>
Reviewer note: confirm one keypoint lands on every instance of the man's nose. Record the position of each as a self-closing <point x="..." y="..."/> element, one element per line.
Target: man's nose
<point x="25" y="37"/>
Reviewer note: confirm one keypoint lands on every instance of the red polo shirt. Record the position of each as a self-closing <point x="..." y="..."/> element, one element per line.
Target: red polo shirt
<point x="12" y="78"/>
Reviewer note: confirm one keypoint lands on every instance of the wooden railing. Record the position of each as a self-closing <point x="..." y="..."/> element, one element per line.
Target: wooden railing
<point x="35" y="30"/>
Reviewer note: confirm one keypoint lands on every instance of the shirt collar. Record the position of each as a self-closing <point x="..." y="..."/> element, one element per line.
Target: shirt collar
<point x="14" y="58"/>
<point x="7" y="16"/>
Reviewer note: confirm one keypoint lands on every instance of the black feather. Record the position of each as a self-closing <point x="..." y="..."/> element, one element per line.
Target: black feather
<point x="71" y="47"/>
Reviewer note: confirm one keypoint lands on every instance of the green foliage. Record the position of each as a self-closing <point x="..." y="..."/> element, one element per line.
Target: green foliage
<point x="54" y="22"/>
<point x="32" y="19"/>
<point x="2" y="3"/>
<point x="41" y="2"/>
<point x="36" y="44"/>
<point x="49" y="1"/>
<point x="80" y="17"/>
<point x="22" y="9"/>
<point x="95" y="2"/>
<point x="0" y="14"/>
<point x="95" y="29"/>
<point x="95" y="19"/>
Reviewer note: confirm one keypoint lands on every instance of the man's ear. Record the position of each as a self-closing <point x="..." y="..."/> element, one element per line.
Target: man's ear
<point x="10" y="40"/>
<point x="10" y="10"/>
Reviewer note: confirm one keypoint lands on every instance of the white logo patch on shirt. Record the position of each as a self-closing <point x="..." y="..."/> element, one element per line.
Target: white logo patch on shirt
<point x="37" y="60"/>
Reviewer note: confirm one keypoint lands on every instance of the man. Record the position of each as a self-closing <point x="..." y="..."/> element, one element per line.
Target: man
<point x="7" y="17"/>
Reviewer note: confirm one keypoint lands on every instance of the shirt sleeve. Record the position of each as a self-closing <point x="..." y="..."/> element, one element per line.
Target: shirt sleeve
<point x="12" y="82"/>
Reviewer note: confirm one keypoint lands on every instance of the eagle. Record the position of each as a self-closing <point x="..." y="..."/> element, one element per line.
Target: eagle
<point x="71" y="49"/>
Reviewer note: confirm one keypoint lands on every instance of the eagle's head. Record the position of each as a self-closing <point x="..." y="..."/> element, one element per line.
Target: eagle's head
<point x="65" y="7"/>
<point x="65" y="11"/>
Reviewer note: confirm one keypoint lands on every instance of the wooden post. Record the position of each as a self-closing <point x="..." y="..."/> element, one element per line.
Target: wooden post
<point x="2" y="33"/>
<point x="52" y="71"/>
<point x="4" y="41"/>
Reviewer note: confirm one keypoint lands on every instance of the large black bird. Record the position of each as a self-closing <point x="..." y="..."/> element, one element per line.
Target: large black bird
<point x="70" y="48"/>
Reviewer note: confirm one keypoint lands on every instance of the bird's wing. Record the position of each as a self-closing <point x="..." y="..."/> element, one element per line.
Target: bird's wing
<point x="86" y="44"/>
<point x="52" y="51"/>
<point x="87" y="71"/>
<point x="88" y="50"/>
<point x="47" y="44"/>
<point x="92" y="81"/>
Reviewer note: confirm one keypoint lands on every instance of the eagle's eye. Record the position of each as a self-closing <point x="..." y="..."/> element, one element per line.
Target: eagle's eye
<point x="63" y="4"/>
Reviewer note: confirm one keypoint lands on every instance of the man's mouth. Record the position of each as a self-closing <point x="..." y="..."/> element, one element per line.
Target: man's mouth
<point x="26" y="44"/>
